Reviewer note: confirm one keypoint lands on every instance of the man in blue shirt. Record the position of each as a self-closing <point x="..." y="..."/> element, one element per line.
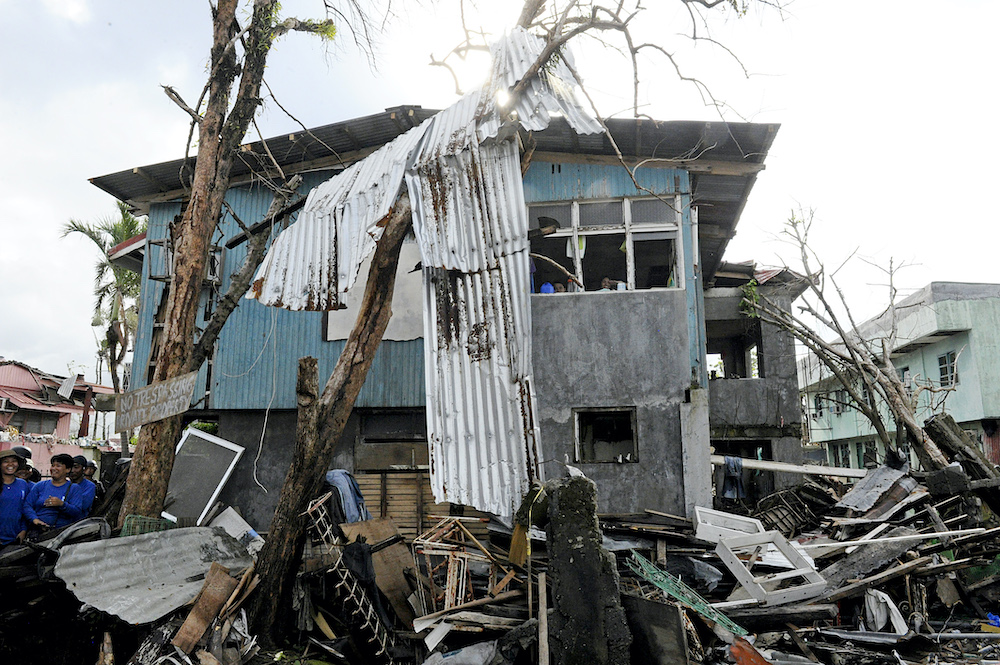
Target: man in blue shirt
<point x="13" y="492"/>
<point x="88" y="487"/>
<point x="55" y="502"/>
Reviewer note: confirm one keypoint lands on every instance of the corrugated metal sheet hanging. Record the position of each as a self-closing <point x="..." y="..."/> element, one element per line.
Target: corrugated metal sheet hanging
<point x="552" y="92"/>
<point x="477" y="326"/>
<point x="318" y="257"/>
<point x="470" y="221"/>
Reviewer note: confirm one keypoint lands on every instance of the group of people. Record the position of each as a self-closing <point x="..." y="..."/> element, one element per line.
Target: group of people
<point x="29" y="508"/>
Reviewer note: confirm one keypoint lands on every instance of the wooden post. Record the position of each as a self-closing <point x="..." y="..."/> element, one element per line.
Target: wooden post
<point x="543" y="623"/>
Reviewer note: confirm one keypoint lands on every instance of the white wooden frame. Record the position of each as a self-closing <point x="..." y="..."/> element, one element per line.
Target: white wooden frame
<point x="754" y="584"/>
<point x="714" y="525"/>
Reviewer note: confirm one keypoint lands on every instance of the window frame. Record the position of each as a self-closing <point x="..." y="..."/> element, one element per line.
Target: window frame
<point x="630" y="230"/>
<point x="948" y="369"/>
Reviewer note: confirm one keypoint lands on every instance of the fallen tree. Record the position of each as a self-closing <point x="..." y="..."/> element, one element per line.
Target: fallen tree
<point x="862" y="363"/>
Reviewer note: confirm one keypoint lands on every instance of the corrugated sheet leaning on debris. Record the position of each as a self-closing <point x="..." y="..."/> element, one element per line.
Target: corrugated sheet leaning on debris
<point x="464" y="181"/>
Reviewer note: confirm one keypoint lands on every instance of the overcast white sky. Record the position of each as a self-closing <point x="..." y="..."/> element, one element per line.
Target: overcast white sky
<point x="884" y="110"/>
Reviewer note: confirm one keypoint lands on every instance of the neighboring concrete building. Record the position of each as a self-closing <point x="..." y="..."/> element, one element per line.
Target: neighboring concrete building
<point x="621" y="387"/>
<point x="947" y="343"/>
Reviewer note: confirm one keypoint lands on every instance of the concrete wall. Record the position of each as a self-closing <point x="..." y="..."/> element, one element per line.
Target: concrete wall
<point x="615" y="349"/>
<point x="243" y="428"/>
<point x="758" y="408"/>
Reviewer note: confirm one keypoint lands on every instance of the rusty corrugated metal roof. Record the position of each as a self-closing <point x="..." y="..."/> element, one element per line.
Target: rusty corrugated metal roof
<point x="320" y="254"/>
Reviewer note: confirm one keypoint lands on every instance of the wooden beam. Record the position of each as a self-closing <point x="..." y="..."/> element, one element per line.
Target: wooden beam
<point x="543" y="621"/>
<point x="869" y="582"/>
<point x="785" y="467"/>
<point x="702" y="166"/>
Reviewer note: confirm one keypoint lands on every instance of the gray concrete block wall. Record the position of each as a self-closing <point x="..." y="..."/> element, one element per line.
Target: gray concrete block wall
<point x="615" y="349"/>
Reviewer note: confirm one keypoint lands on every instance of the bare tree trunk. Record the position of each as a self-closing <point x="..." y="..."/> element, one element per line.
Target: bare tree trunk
<point x="219" y="136"/>
<point x="946" y="431"/>
<point x="321" y="425"/>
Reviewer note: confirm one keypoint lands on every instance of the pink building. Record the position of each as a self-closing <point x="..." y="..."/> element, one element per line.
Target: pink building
<point x="36" y="402"/>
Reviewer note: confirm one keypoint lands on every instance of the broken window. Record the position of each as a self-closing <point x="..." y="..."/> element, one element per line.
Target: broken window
<point x="947" y="369"/>
<point x="606" y="435"/>
<point x="869" y="455"/>
<point x="736" y="343"/>
<point x="904" y="376"/>
<point x="35" y="422"/>
<point x="839" y="401"/>
<point x="622" y="244"/>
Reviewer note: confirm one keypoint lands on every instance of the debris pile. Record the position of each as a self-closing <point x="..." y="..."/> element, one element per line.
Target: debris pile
<point x="901" y="567"/>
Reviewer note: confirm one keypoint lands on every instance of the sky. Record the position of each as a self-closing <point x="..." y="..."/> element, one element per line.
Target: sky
<point x="882" y="108"/>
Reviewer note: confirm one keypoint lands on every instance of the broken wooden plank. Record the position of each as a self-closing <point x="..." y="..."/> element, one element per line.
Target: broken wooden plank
<point x="484" y="620"/>
<point x="422" y="623"/>
<point x="758" y="618"/>
<point x="831" y="547"/>
<point x="862" y="585"/>
<point x="976" y="535"/>
<point x="502" y="584"/>
<point x="148" y="652"/>
<point x="793" y="631"/>
<point x="217" y="589"/>
<point x="543" y="621"/>
<point x="950" y="566"/>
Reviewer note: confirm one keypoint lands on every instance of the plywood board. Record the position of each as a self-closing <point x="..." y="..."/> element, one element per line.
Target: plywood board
<point x="389" y="562"/>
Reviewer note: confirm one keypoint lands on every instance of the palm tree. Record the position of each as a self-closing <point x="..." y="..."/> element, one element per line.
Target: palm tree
<point x="116" y="289"/>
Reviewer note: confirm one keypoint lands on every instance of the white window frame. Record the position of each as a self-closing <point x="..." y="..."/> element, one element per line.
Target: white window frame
<point x="950" y="365"/>
<point x="575" y="232"/>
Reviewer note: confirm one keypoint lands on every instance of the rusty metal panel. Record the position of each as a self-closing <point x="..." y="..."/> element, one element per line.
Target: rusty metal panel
<point x="468" y="208"/>
<point x="482" y="436"/>
<point x="470" y="220"/>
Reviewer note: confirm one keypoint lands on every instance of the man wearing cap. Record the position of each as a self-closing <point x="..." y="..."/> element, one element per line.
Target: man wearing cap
<point x="89" y="489"/>
<point x="54" y="502"/>
<point x="91" y="474"/>
<point x="12" y="495"/>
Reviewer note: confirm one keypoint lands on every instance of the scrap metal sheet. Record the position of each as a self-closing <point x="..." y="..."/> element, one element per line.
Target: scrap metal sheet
<point x="870" y="489"/>
<point x="469" y="217"/>
<point x="143" y="578"/>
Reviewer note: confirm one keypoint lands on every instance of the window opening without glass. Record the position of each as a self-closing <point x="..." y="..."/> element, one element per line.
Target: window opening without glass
<point x="621" y="244"/>
<point x="947" y="370"/>
<point x="606" y="435"/>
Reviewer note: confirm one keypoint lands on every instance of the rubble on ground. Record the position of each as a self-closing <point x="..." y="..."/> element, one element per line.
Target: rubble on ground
<point x="901" y="568"/>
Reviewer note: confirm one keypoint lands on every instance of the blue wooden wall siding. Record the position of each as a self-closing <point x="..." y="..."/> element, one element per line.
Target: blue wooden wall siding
<point x="256" y="358"/>
<point x="257" y="354"/>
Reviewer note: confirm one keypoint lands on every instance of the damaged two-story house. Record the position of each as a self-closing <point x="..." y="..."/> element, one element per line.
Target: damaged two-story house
<point x="620" y="313"/>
